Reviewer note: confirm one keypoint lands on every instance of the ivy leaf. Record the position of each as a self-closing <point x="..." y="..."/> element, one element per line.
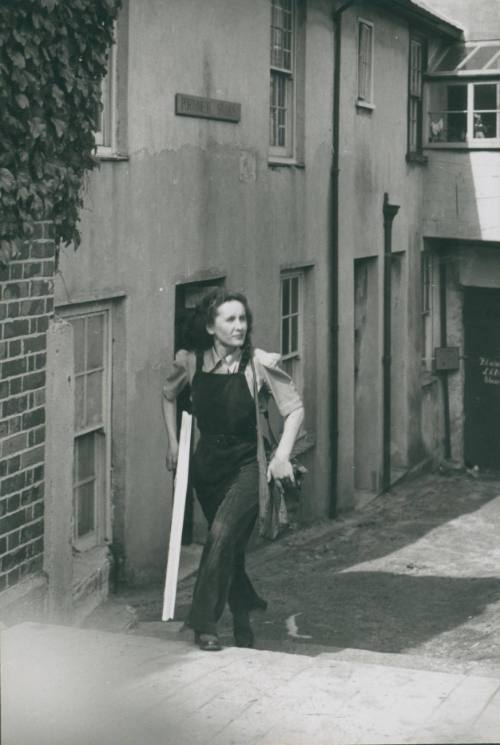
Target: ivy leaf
<point x="37" y="127"/>
<point x="48" y="4"/>
<point x="7" y="179"/>
<point x="22" y="101"/>
<point x="58" y="95"/>
<point x="59" y="126"/>
<point x="18" y="59"/>
<point x="8" y="251"/>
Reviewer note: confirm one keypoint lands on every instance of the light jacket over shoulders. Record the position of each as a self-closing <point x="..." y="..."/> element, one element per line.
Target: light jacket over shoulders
<point x="271" y="378"/>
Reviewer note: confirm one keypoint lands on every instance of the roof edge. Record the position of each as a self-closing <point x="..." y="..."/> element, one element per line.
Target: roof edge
<point x="421" y="12"/>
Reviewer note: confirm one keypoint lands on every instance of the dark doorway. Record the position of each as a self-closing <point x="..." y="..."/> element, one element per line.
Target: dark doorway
<point x="187" y="296"/>
<point x="482" y="378"/>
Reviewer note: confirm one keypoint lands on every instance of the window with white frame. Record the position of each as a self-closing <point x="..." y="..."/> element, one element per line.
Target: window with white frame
<point x="282" y="86"/>
<point x="464" y="112"/>
<point x="105" y="133"/>
<point x="365" y="63"/>
<point x="415" y="95"/>
<point x="292" y="319"/>
<point x="91" y="471"/>
<point x="463" y="96"/>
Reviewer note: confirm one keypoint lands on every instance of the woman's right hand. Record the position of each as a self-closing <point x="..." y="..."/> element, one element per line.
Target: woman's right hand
<point x="172" y="455"/>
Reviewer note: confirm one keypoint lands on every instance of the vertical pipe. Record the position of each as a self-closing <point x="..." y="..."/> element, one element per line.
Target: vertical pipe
<point x="389" y="211"/>
<point x="443" y="322"/>
<point x="333" y="260"/>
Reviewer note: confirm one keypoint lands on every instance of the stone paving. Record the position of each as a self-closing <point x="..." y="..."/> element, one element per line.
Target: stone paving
<point x="394" y="613"/>
<point x="63" y="686"/>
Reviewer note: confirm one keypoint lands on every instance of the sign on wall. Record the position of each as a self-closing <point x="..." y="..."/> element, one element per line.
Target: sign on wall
<point x="207" y="108"/>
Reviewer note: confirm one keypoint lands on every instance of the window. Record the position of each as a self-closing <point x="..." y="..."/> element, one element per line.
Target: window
<point x="91" y="470"/>
<point x="292" y="291"/>
<point x="282" y="91"/>
<point x="415" y="109"/>
<point x="365" y="63"/>
<point x="426" y="306"/>
<point x="465" y="113"/>
<point x="106" y="117"/>
<point x="464" y="96"/>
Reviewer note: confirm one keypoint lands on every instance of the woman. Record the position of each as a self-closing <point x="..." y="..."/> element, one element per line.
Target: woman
<point x="224" y="468"/>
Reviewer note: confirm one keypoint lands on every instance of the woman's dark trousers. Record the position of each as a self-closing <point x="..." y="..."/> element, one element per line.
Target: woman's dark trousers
<point x="231" y="511"/>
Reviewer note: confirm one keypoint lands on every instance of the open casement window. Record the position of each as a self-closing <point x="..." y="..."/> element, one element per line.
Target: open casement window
<point x="365" y="64"/>
<point x="292" y="319"/>
<point x="463" y="98"/>
<point x="417" y="63"/>
<point x="282" y="83"/>
<point x="91" y="464"/>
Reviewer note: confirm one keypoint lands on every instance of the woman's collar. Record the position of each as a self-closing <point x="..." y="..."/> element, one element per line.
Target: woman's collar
<point x="213" y="359"/>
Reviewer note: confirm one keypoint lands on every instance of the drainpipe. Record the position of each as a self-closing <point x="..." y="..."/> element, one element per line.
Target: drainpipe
<point x="389" y="211"/>
<point x="444" y="343"/>
<point x="333" y="261"/>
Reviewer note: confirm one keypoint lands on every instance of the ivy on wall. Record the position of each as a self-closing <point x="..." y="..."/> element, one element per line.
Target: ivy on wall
<point x="53" y="56"/>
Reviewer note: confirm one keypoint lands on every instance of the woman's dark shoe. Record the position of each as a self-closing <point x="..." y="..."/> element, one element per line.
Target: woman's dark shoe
<point x="242" y="631"/>
<point x="208" y="642"/>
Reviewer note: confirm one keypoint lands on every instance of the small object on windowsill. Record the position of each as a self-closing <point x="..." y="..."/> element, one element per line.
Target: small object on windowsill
<point x="419" y="158"/>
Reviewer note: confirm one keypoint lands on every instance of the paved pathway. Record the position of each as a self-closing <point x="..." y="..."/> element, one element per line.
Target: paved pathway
<point x="64" y="686"/>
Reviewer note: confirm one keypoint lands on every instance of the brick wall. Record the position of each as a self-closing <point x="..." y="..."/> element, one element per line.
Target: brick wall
<point x="26" y="304"/>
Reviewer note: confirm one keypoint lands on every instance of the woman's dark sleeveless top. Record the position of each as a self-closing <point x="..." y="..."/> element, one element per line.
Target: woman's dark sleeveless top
<point x="225" y="414"/>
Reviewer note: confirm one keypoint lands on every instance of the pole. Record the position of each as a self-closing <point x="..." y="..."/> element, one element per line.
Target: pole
<point x="389" y="211"/>
<point x="180" y="490"/>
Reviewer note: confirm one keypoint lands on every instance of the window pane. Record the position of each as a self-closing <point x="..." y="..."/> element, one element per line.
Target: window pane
<point x="80" y="402"/>
<point x="456" y="127"/>
<point x="485" y="97"/>
<point x="85" y="457"/>
<point x="94" y="398"/>
<point x="416" y="68"/>
<point x="285" y="344"/>
<point x="279" y="109"/>
<point x="294" y="345"/>
<point x="79" y="343"/>
<point x="95" y="341"/>
<point x="485" y="126"/>
<point x="457" y="97"/>
<point x="285" y="297"/>
<point x="85" y="507"/>
<point x="295" y="294"/>
<point x="281" y="34"/>
<point x="414" y="143"/>
<point x="364" y="61"/>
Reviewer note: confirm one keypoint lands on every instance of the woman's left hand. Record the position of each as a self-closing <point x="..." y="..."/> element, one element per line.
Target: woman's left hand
<point x="280" y="469"/>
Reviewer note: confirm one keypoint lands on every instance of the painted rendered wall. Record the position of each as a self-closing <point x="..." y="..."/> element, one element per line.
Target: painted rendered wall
<point x="197" y="198"/>
<point x="462" y="198"/>
<point x="373" y="150"/>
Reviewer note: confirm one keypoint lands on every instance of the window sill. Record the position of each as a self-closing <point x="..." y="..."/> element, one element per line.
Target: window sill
<point x="110" y="155"/>
<point x="417" y="158"/>
<point x="460" y="146"/>
<point x="365" y="105"/>
<point x="275" y="162"/>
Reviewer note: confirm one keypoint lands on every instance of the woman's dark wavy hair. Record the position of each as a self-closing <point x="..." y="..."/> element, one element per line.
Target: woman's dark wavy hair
<point x="196" y="336"/>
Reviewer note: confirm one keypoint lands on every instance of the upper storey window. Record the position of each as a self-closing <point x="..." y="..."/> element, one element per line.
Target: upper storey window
<point x="282" y="96"/>
<point x="464" y="97"/>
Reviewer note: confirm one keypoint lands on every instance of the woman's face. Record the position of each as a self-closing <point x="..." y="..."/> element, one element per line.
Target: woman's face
<point x="230" y="325"/>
